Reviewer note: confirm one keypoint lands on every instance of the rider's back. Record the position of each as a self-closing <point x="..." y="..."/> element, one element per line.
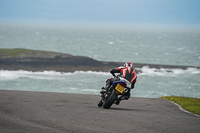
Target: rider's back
<point x="128" y="73"/>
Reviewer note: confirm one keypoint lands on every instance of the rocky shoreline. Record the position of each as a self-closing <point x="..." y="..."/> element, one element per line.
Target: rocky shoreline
<point x="43" y="60"/>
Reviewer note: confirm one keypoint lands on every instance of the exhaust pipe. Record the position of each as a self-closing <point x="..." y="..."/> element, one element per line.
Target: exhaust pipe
<point x="125" y="90"/>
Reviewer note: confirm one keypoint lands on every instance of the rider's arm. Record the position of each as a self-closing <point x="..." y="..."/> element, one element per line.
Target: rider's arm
<point x="114" y="70"/>
<point x="133" y="84"/>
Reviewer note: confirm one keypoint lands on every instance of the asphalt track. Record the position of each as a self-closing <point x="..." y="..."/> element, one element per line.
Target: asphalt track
<point x="43" y="112"/>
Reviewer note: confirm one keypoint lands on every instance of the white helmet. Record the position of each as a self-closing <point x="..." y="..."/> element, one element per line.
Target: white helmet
<point x="128" y="64"/>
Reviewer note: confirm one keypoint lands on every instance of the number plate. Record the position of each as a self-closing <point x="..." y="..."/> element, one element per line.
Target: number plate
<point x="119" y="88"/>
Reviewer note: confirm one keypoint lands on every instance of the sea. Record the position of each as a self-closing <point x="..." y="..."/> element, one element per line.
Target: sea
<point x="169" y="46"/>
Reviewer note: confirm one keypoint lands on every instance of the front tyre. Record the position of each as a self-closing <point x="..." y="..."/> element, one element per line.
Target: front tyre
<point x="108" y="103"/>
<point x="100" y="103"/>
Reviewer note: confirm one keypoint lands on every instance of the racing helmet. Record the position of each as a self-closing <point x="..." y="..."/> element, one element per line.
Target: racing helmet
<point x="128" y="64"/>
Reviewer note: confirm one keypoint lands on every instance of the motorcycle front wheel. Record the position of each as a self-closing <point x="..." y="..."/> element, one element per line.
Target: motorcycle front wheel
<point x="100" y="103"/>
<point x="108" y="103"/>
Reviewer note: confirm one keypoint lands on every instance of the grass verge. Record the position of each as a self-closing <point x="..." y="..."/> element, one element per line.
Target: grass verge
<point x="188" y="103"/>
<point x="14" y="52"/>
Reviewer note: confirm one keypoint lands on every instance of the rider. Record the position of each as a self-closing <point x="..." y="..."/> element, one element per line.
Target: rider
<point x="126" y="72"/>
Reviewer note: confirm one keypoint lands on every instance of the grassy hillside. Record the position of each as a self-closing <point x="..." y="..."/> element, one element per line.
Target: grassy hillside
<point x="29" y="53"/>
<point x="15" y="52"/>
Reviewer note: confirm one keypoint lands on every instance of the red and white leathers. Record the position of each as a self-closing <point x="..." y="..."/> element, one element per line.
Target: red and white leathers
<point x="126" y="72"/>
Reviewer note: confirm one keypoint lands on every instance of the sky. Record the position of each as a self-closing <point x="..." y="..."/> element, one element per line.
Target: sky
<point x="110" y="12"/>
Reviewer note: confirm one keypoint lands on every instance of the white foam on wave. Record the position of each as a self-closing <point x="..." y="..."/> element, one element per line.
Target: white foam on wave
<point x="152" y="71"/>
<point x="187" y="71"/>
<point x="92" y="72"/>
<point x="8" y="75"/>
<point x="167" y="72"/>
<point x="12" y="75"/>
<point x="111" y="42"/>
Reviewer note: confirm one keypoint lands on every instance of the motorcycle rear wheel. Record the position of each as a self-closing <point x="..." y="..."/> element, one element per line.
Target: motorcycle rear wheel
<point x="108" y="103"/>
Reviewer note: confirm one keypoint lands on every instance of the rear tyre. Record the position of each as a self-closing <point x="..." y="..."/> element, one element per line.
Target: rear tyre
<point x="107" y="104"/>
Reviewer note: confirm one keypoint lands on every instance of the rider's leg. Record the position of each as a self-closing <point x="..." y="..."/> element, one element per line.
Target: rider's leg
<point x="110" y="81"/>
<point x="108" y="84"/>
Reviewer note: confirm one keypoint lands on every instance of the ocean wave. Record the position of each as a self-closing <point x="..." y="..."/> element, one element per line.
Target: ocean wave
<point x="164" y="82"/>
<point x="92" y="72"/>
<point x="167" y="72"/>
<point x="12" y="75"/>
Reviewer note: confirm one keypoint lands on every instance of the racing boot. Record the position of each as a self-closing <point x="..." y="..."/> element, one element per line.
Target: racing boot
<point x="104" y="89"/>
<point x="127" y="96"/>
<point x="118" y="101"/>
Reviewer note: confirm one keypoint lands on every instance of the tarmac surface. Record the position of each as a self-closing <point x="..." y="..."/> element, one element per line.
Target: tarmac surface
<point x="45" y="112"/>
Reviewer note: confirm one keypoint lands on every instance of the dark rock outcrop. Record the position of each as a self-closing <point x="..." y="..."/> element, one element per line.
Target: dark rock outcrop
<point x="57" y="63"/>
<point x="41" y="60"/>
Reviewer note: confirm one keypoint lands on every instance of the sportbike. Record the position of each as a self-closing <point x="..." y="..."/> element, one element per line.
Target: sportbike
<point x="115" y="93"/>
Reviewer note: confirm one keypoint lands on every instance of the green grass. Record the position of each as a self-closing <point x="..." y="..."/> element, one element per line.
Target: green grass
<point x="188" y="103"/>
<point x="14" y="52"/>
<point x="18" y="52"/>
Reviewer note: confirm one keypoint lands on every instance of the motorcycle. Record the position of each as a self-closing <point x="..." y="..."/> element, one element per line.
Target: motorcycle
<point x="115" y="93"/>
